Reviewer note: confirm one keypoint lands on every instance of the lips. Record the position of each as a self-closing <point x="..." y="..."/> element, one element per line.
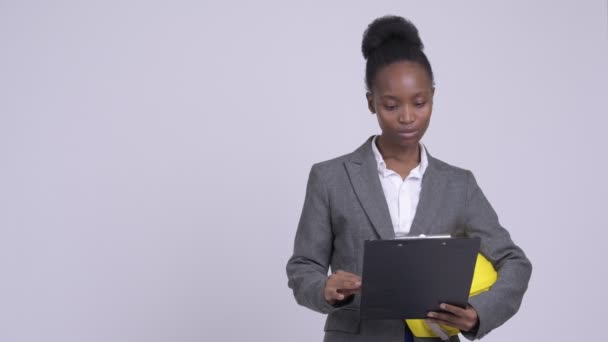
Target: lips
<point x="408" y="134"/>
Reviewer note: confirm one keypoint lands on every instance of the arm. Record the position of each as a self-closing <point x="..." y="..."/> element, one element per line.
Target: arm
<point x="496" y="306"/>
<point x="307" y="268"/>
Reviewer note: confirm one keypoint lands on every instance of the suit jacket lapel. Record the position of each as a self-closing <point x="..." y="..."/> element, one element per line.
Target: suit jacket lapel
<point x="363" y="172"/>
<point x="430" y="198"/>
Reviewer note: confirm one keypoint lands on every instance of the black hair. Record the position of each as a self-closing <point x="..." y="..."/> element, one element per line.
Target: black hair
<point x="391" y="39"/>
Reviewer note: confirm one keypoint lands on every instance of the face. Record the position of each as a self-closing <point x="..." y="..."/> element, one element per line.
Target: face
<point x="402" y="98"/>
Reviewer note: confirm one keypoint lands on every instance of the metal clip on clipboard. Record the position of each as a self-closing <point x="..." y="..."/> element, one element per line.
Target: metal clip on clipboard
<point x="422" y="236"/>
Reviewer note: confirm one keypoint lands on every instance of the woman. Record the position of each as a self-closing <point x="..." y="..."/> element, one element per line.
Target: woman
<point x="392" y="186"/>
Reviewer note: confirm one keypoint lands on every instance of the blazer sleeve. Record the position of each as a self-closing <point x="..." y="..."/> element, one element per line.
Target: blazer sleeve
<point x="308" y="266"/>
<point x="502" y="301"/>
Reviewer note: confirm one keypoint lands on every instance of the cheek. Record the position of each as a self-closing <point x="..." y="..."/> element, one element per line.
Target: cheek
<point x="381" y="121"/>
<point x="425" y="113"/>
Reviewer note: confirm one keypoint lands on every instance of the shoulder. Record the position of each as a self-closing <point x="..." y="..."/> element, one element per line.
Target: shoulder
<point x="336" y="166"/>
<point x="330" y="170"/>
<point x="333" y="163"/>
<point x="445" y="167"/>
<point x="455" y="175"/>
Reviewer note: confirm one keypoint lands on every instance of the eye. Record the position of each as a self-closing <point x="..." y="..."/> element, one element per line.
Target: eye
<point x="420" y="104"/>
<point x="391" y="108"/>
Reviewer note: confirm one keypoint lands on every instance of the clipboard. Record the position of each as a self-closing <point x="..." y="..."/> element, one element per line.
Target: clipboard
<point x="407" y="278"/>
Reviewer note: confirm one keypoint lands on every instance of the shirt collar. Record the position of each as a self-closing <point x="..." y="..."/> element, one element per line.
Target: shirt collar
<point x="417" y="172"/>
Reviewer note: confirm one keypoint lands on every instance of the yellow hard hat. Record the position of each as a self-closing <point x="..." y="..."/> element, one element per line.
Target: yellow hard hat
<point x="484" y="277"/>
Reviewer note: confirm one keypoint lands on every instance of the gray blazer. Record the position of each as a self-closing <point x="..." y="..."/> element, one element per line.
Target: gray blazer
<point x="345" y="205"/>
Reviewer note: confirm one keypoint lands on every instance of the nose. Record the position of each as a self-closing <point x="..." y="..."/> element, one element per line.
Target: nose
<point x="406" y="116"/>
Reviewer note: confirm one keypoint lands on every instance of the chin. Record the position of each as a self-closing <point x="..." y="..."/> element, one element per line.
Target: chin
<point x="411" y="143"/>
<point x="407" y="142"/>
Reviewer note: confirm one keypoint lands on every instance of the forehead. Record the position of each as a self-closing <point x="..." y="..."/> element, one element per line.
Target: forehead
<point x="402" y="78"/>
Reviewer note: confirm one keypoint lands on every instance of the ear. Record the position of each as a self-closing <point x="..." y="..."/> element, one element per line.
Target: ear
<point x="370" y="102"/>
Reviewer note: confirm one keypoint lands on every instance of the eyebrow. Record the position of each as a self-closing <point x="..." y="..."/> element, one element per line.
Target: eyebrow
<point x="390" y="97"/>
<point x="393" y="97"/>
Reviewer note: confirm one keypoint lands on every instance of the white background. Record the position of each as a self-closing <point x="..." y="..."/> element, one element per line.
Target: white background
<point x="154" y="155"/>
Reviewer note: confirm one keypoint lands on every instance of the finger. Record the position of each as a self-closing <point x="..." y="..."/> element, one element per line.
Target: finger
<point x="458" y="311"/>
<point x="347" y="284"/>
<point x="343" y="290"/>
<point x="356" y="290"/>
<point x="462" y="326"/>
<point x="462" y="323"/>
<point x="337" y="280"/>
<point x="331" y="290"/>
<point x="349" y="292"/>
<point x="447" y="317"/>
<point x="334" y="294"/>
<point x="345" y="280"/>
<point x="469" y="314"/>
<point x="347" y="275"/>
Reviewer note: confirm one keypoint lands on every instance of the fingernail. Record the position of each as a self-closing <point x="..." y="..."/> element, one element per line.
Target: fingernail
<point x="358" y="283"/>
<point x="442" y="306"/>
<point x="431" y="314"/>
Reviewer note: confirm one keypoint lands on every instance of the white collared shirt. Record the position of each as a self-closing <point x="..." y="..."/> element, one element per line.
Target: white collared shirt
<point x="401" y="195"/>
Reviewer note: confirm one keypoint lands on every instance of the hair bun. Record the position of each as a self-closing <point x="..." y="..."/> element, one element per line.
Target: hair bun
<point x="390" y="28"/>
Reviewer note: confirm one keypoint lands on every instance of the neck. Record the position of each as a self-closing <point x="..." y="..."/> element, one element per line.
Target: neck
<point x="403" y="154"/>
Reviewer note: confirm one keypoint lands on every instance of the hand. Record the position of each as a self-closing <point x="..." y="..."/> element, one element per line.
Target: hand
<point x="340" y="285"/>
<point x="463" y="319"/>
